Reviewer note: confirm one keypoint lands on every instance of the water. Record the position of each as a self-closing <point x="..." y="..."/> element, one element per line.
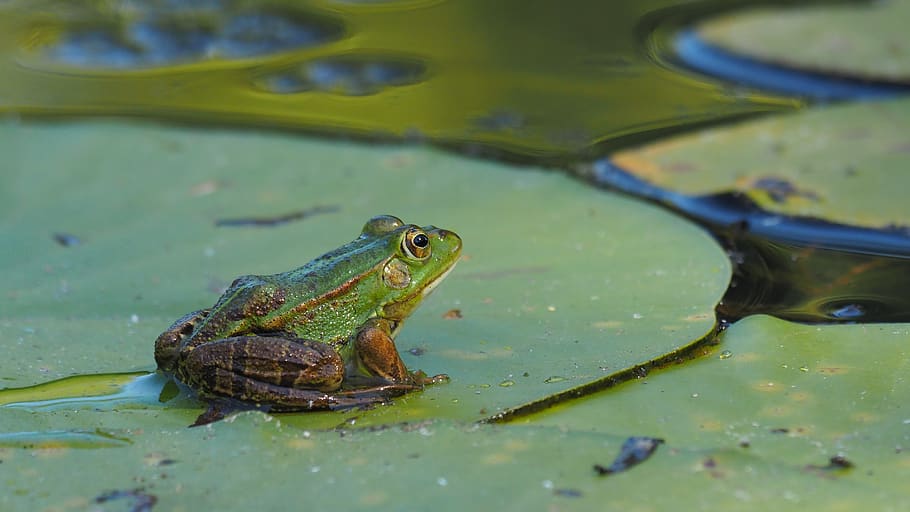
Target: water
<point x="90" y="392"/>
<point x="532" y="81"/>
<point x="795" y="268"/>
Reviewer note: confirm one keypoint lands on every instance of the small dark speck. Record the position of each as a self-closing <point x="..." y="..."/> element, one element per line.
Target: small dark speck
<point x="780" y="430"/>
<point x="836" y="464"/>
<point x="839" y="461"/>
<point x="567" y="493"/>
<point x="452" y="314"/>
<point x="141" y="501"/>
<point x="67" y="240"/>
<point x="167" y="462"/>
<point x="417" y="351"/>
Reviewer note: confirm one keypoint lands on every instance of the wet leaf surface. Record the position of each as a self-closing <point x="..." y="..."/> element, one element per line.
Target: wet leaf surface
<point x="820" y="407"/>
<point x="841" y="164"/>
<point x="865" y="40"/>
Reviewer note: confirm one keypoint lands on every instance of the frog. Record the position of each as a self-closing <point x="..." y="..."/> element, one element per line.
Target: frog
<point x="320" y="336"/>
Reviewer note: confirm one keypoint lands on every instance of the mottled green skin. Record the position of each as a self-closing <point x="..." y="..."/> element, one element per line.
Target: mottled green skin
<point x="305" y="338"/>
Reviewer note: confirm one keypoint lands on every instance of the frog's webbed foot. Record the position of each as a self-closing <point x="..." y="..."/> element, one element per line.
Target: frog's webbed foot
<point x="217" y="410"/>
<point x="420" y="377"/>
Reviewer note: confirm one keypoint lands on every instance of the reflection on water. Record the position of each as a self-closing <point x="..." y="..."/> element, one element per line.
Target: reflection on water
<point x="348" y="75"/>
<point x="91" y="392"/>
<point x="57" y="439"/>
<point x="155" y="37"/>
<point x="795" y="268"/>
<point x="531" y="80"/>
<point x="714" y="61"/>
<point x="803" y="282"/>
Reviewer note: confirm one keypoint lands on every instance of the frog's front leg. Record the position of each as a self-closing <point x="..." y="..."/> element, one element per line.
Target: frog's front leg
<point x="375" y="355"/>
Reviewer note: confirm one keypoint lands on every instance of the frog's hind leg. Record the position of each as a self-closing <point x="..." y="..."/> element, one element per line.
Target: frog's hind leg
<point x="279" y="374"/>
<point x="263" y="370"/>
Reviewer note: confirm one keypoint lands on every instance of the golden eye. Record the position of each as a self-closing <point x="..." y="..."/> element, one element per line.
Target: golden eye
<point x="416" y="244"/>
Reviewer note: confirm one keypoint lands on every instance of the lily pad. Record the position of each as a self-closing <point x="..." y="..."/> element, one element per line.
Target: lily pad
<point x="863" y="40"/>
<point x="560" y="284"/>
<point x="818" y="410"/>
<point x="842" y="164"/>
<point x="430" y="465"/>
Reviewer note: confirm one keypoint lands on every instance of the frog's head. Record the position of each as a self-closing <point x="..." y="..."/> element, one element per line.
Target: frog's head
<point x="419" y="258"/>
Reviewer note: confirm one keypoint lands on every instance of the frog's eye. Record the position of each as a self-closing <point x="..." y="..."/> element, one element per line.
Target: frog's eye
<point x="416" y="244"/>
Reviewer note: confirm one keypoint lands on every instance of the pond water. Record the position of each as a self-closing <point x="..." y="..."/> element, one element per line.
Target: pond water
<point x="536" y="81"/>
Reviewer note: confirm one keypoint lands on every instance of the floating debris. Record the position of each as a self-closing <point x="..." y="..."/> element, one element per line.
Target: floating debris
<point x="567" y="493"/>
<point x="633" y="452"/>
<point x="279" y="219"/>
<point x="142" y="501"/>
<point x="67" y="240"/>
<point x="452" y="314"/>
<point x="836" y="464"/>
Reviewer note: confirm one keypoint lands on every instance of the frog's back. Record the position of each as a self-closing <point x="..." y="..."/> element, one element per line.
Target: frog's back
<point x="320" y="300"/>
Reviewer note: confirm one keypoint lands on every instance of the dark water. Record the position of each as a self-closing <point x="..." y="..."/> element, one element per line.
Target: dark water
<point x="801" y="269"/>
<point x="556" y="83"/>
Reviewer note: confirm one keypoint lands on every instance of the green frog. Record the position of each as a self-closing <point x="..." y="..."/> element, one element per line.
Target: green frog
<point x="320" y="336"/>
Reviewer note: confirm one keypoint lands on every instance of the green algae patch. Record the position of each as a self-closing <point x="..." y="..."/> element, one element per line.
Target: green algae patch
<point x="865" y="40"/>
<point x="779" y="411"/>
<point x="842" y="164"/>
<point x="559" y="284"/>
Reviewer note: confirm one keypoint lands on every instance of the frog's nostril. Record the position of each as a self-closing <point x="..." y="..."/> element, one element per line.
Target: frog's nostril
<point x="452" y="237"/>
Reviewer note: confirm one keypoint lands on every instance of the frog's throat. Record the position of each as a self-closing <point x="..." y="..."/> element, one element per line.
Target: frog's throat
<point x="396" y="315"/>
<point x="432" y="284"/>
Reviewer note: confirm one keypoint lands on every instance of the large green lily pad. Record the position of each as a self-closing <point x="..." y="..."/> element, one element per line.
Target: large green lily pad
<point x="774" y="402"/>
<point x="865" y="40"/>
<point x="752" y="426"/>
<point x="842" y="164"/>
<point x="256" y="462"/>
<point x="560" y="285"/>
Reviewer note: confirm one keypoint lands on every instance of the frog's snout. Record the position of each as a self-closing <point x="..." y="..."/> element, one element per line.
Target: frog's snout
<point x="451" y="239"/>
